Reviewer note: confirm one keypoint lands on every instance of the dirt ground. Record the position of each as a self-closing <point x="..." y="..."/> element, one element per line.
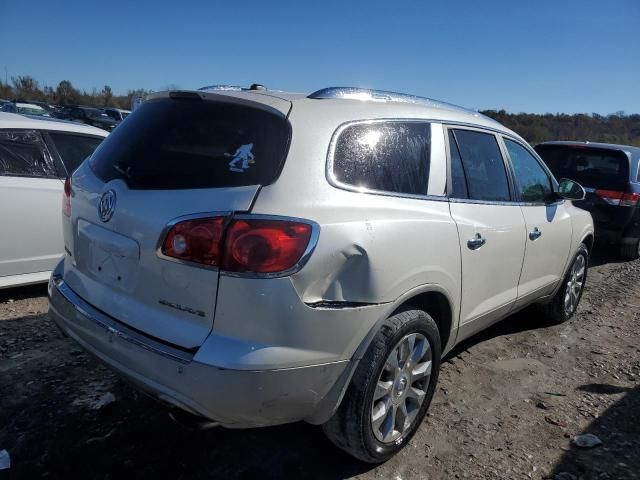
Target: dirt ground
<point x="508" y="405"/>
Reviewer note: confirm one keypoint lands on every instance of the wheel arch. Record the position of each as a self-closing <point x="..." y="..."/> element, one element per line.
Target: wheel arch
<point x="431" y="298"/>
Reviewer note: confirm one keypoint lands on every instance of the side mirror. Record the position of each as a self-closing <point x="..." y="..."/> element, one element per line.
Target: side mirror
<point x="570" y="190"/>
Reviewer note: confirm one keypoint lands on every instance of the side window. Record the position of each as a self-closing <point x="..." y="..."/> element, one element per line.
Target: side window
<point x="73" y="149"/>
<point x="458" y="181"/>
<point x="483" y="166"/>
<point x="391" y="156"/>
<point x="533" y="182"/>
<point x="23" y="153"/>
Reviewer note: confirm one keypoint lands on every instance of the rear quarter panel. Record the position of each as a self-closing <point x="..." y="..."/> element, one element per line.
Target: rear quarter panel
<point x="372" y="249"/>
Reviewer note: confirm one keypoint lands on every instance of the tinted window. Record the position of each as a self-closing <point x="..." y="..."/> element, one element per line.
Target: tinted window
<point x="392" y="157"/>
<point x="23" y="153"/>
<point x="74" y="148"/>
<point x="458" y="181"/>
<point x="591" y="167"/>
<point x="533" y="182"/>
<point x="177" y="144"/>
<point x="483" y="165"/>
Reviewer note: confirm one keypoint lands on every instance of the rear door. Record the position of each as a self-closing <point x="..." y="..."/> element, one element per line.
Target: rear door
<point x="490" y="228"/>
<point x="548" y="224"/>
<point x="30" y="196"/>
<point x="175" y="158"/>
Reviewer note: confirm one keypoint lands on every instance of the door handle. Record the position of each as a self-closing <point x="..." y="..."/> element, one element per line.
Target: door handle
<point x="535" y="234"/>
<point x="476" y="242"/>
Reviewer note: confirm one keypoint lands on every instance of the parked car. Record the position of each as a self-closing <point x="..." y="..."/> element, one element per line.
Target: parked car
<point x="36" y="155"/>
<point x="117" y="113"/>
<point x="611" y="176"/>
<point x="256" y="257"/>
<point x="25" y="109"/>
<point x="91" y="116"/>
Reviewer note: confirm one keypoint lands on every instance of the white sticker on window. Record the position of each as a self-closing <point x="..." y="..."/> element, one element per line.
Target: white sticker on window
<point x="242" y="159"/>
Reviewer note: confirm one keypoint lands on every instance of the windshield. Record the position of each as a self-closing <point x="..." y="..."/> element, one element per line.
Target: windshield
<point x="589" y="166"/>
<point x="178" y="144"/>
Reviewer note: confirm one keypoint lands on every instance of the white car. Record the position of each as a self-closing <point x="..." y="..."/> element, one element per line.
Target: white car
<point x="36" y="155"/>
<point x="256" y="257"/>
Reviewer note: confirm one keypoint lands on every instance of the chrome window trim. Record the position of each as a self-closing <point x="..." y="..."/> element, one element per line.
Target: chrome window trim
<point x="230" y="216"/>
<point x="115" y="328"/>
<point x="333" y="181"/>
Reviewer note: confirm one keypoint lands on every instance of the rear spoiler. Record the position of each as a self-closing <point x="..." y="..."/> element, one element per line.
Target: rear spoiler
<point x="276" y="105"/>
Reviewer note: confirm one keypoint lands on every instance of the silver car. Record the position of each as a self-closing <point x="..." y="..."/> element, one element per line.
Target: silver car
<point x="255" y="257"/>
<point x="36" y="155"/>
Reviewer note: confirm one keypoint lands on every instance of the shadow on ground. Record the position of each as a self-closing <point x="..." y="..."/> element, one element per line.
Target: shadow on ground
<point x="619" y="430"/>
<point x="21" y="293"/>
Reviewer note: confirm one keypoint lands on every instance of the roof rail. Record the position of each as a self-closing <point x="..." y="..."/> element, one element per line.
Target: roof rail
<point x="366" y="94"/>
<point x="234" y="88"/>
<point x="215" y="88"/>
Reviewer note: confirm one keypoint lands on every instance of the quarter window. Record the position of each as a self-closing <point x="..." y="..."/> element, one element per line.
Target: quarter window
<point x="74" y="148"/>
<point x="533" y="182"/>
<point x="23" y="153"/>
<point x="483" y="165"/>
<point x="388" y="156"/>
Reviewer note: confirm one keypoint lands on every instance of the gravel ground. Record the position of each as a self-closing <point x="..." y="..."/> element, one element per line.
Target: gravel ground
<point x="509" y="405"/>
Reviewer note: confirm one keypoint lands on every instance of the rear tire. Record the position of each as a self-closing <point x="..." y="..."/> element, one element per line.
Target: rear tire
<point x="630" y="249"/>
<point x="566" y="300"/>
<point x="387" y="399"/>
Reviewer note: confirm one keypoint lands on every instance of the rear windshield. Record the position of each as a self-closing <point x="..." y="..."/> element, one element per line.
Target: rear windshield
<point x="591" y="167"/>
<point x="182" y="144"/>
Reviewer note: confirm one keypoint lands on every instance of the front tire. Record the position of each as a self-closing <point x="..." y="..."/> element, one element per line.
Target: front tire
<point x="565" y="302"/>
<point x="391" y="389"/>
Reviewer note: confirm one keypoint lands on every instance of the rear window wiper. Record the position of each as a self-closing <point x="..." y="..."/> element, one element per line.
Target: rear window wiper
<point x="123" y="169"/>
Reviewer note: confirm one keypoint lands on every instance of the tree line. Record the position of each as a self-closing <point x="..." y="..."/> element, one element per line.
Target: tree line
<point x="614" y="128"/>
<point x="535" y="128"/>
<point x="27" y="88"/>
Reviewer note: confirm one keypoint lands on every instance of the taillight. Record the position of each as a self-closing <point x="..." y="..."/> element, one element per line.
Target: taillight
<point x="622" y="199"/>
<point x="264" y="246"/>
<point x="66" y="198"/>
<point x="243" y="245"/>
<point x="197" y="240"/>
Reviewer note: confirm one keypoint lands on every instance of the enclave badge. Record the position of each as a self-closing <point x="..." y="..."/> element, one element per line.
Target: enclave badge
<point x="107" y="205"/>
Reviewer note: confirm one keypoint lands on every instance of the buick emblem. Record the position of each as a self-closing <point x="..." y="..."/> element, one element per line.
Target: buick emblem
<point x="107" y="205"/>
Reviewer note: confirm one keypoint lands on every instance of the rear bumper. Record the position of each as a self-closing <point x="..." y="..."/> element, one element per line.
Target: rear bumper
<point x="234" y="398"/>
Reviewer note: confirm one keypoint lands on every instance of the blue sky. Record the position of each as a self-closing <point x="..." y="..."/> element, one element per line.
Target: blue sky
<point x="534" y="56"/>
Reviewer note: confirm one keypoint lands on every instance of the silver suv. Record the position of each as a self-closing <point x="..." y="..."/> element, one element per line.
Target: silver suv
<point x="255" y="257"/>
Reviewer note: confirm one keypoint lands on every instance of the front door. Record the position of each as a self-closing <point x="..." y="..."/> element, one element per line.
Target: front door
<point x="548" y="225"/>
<point x="490" y="228"/>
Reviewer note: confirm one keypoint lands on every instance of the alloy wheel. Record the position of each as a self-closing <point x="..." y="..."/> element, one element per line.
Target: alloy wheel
<point x="574" y="285"/>
<point x="401" y="388"/>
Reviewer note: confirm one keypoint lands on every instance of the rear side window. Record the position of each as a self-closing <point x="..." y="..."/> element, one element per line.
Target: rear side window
<point x="485" y="173"/>
<point x="387" y="156"/>
<point x="533" y="182"/>
<point x="182" y="144"/>
<point x="23" y="153"/>
<point x="73" y="149"/>
<point x="589" y="166"/>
